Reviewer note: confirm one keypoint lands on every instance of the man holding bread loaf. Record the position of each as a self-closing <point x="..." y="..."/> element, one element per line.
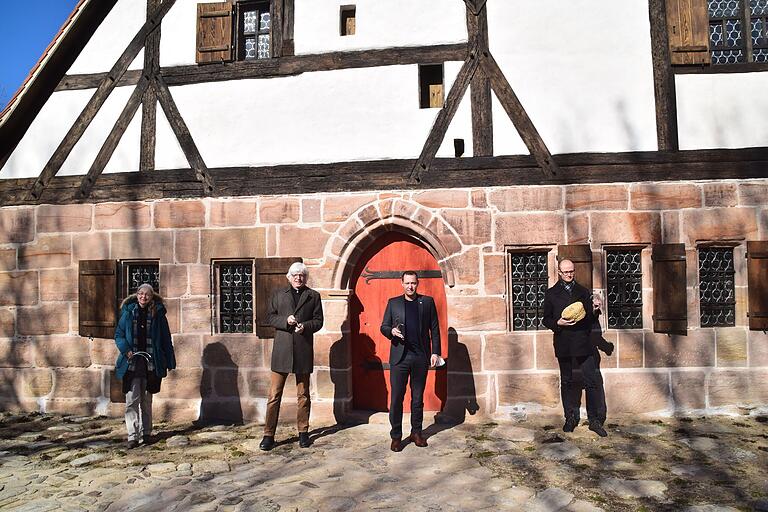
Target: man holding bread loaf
<point x="568" y="312"/>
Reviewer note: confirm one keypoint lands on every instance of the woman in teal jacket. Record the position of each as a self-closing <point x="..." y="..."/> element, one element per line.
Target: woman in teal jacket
<point x="146" y="354"/>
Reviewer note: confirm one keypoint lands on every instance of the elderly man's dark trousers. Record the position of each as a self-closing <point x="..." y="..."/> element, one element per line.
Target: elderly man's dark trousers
<point x="416" y="367"/>
<point x="589" y="376"/>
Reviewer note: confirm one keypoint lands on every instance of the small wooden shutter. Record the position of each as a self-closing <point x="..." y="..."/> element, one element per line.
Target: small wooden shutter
<point x="670" y="304"/>
<point x="97" y="298"/>
<point x="270" y="276"/>
<point x="214" y="32"/>
<point x="757" y="284"/>
<point x="581" y="256"/>
<point x="688" y="29"/>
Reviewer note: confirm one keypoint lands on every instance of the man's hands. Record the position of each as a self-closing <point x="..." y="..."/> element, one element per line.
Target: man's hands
<point x="299" y="327"/>
<point x="563" y="322"/>
<point x="292" y="320"/>
<point x="433" y="360"/>
<point x="397" y="333"/>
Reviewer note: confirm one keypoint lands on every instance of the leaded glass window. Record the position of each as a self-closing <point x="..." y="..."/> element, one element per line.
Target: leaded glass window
<point x="235" y="297"/>
<point x="624" y="277"/>
<point x="254" y="27"/>
<point x="136" y="273"/>
<point x="717" y="297"/>
<point x="738" y="31"/>
<point x="528" y="278"/>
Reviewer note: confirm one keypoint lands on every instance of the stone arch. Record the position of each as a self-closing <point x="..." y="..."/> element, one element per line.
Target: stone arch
<point x="354" y="236"/>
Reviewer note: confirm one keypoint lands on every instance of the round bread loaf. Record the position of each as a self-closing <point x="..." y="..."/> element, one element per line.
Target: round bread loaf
<point x="574" y="312"/>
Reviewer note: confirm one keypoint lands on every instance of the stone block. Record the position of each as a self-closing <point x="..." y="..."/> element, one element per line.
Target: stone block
<point x="36" y="382"/>
<point x="18" y="288"/>
<point x="442" y="198"/>
<point x="468" y="385"/>
<point x="510" y="351"/>
<point x="545" y="351"/>
<point x="758" y="349"/>
<point x="752" y="193"/>
<point x="368" y="215"/>
<point x="403" y="209"/>
<point x="48" y="251"/>
<point x="472" y="226"/>
<point x="738" y="387"/>
<point x="304" y="242"/>
<point x="78" y="383"/>
<point x="335" y="315"/>
<point x="173" y="314"/>
<point x="478" y="198"/>
<point x="331" y="350"/>
<point x="182" y="383"/>
<point x="339" y="208"/>
<point x="626" y="227"/>
<point x="670" y="227"/>
<point x="233" y="351"/>
<point x="103" y="352"/>
<point x="44" y="319"/>
<point x="665" y="196"/>
<point x="526" y="199"/>
<point x="58" y="285"/>
<point x="689" y="390"/>
<point x="143" y="245"/>
<point x="731" y="346"/>
<point x="596" y="197"/>
<point x="465" y="352"/>
<point x="311" y="210"/>
<point x="279" y="210"/>
<point x="179" y="214"/>
<point x="637" y="393"/>
<point x="199" y="279"/>
<point x="764" y="223"/>
<point x="7" y="259"/>
<point x="62" y="352"/>
<point x="176" y="411"/>
<point x="17" y="225"/>
<point x="228" y="382"/>
<point x="719" y="224"/>
<point x="630" y="349"/>
<point x="665" y="351"/>
<point x="530" y="228"/>
<point x="258" y="383"/>
<point x="232" y="213"/>
<point x="333" y="384"/>
<point x="188" y="349"/>
<point x="174" y="280"/>
<point x="64" y="218"/>
<point x="85" y="407"/>
<point x="90" y="246"/>
<point x="494" y="274"/>
<point x="196" y="315"/>
<point x="537" y="388"/>
<point x="577" y="228"/>
<point x="187" y="244"/>
<point x="15" y="352"/>
<point x="720" y="194"/>
<point x="477" y="313"/>
<point x="232" y="243"/>
<point x="439" y="228"/>
<point x="467" y="266"/>
<point x="122" y="216"/>
<point x="609" y="361"/>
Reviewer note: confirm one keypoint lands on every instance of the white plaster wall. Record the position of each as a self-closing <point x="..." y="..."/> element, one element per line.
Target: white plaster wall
<point x="722" y="111"/>
<point x="581" y="68"/>
<point x="111" y="38"/>
<point x="178" y="36"/>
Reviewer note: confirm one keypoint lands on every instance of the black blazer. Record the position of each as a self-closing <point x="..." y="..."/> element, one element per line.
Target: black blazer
<point x="429" y="326"/>
<point x="569" y="340"/>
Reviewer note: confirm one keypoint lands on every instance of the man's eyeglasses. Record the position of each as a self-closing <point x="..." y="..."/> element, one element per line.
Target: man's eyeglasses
<point x="567" y="271"/>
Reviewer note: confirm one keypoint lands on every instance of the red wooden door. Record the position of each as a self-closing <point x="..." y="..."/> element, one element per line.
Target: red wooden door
<point x="376" y="279"/>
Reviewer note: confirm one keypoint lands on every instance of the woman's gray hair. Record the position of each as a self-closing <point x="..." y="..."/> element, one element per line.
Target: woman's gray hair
<point x="297" y="268"/>
<point x="146" y="286"/>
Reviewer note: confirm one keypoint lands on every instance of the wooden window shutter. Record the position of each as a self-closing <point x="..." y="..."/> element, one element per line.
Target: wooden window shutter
<point x="757" y="284"/>
<point x="97" y="298"/>
<point x="670" y="303"/>
<point x="270" y="276"/>
<point x="214" y="32"/>
<point x="688" y="29"/>
<point x="581" y="256"/>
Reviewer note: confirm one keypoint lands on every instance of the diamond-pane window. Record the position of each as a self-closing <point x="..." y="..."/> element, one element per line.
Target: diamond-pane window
<point x="625" y="290"/>
<point x="738" y="31"/>
<point x="717" y="297"/>
<point x="136" y="273"/>
<point x="235" y="296"/>
<point x="254" y="26"/>
<point x="528" y="279"/>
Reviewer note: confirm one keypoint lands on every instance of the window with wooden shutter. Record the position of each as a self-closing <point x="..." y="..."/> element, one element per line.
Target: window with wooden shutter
<point x="347" y="20"/>
<point x="581" y="256"/>
<point x="670" y="303"/>
<point x="688" y="29"/>
<point x="214" y="32"/>
<point x="270" y="276"/>
<point x="97" y="298"/>
<point x="431" y="86"/>
<point x="757" y="284"/>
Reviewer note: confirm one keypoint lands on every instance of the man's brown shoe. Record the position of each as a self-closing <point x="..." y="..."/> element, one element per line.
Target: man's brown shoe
<point x="396" y="445"/>
<point x="418" y="439"/>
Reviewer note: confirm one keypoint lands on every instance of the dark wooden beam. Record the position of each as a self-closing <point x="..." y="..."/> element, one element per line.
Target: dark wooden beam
<point x="288" y="10"/>
<point x="108" y="148"/>
<point x="480" y="88"/>
<point x="284" y="66"/>
<point x="181" y="131"/>
<point x="475" y="6"/>
<point x="149" y="101"/>
<point x="518" y="115"/>
<point x="663" y="79"/>
<point x="93" y="106"/>
<point x="276" y="44"/>
<point x="444" y="117"/>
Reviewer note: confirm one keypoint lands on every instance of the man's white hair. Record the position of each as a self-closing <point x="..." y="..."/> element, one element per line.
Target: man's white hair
<point x="297" y="268"/>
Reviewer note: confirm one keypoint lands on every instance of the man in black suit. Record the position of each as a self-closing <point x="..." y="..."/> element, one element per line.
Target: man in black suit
<point x="410" y="322"/>
<point x="573" y="347"/>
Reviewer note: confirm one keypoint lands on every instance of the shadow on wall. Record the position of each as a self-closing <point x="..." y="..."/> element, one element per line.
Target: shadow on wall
<point x="219" y="388"/>
<point x="462" y="396"/>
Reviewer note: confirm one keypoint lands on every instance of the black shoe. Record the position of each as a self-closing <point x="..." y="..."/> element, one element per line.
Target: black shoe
<point x="570" y="425"/>
<point x="304" y="441"/>
<point x="396" y="444"/>
<point x="147" y="440"/>
<point x="597" y="428"/>
<point x="132" y="444"/>
<point x="267" y="443"/>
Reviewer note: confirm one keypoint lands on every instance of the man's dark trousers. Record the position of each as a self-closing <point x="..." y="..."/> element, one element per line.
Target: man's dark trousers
<point x="570" y="389"/>
<point x="415" y="366"/>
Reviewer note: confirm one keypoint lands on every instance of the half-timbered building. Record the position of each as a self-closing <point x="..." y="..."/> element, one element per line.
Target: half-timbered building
<point x="204" y="146"/>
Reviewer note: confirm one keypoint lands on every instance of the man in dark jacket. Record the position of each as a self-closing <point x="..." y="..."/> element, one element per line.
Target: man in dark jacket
<point x="296" y="313"/>
<point x="411" y="324"/>
<point x="573" y="347"/>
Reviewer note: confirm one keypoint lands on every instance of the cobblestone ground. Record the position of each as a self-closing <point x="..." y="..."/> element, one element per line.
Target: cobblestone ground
<point x="51" y="462"/>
